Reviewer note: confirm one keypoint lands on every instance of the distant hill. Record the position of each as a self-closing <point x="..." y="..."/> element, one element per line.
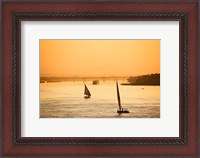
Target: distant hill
<point x="150" y="79"/>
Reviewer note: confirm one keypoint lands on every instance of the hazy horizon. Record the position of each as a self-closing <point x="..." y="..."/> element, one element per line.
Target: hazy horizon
<point x="74" y="76"/>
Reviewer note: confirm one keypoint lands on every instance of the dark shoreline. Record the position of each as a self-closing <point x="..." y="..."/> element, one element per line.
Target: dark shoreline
<point x="133" y="84"/>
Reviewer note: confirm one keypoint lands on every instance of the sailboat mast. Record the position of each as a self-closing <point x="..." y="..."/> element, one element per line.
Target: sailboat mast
<point x="118" y="96"/>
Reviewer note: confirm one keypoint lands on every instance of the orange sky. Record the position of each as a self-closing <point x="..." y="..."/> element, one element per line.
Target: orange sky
<point x="99" y="57"/>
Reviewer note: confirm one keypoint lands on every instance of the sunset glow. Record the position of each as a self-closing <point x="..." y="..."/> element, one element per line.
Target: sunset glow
<point x="99" y="57"/>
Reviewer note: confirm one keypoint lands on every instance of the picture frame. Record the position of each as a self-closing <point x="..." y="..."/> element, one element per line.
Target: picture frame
<point x="13" y="13"/>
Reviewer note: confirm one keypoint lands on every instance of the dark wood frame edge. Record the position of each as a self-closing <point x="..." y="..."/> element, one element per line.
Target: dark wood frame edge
<point x="172" y="145"/>
<point x="1" y="78"/>
<point x="198" y="82"/>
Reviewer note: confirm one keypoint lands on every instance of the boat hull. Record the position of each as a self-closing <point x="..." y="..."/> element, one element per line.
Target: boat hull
<point x="122" y="111"/>
<point x="86" y="97"/>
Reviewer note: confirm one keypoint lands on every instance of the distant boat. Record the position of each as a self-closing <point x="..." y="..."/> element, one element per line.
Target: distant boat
<point x="120" y="110"/>
<point x="95" y="82"/>
<point x="87" y="93"/>
<point x="43" y="81"/>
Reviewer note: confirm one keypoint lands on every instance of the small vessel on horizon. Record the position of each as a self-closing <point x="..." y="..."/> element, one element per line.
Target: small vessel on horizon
<point x="95" y="82"/>
<point x="120" y="110"/>
<point x="87" y="92"/>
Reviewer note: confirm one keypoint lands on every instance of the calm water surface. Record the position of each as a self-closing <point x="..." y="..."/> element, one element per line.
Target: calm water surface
<point x="66" y="100"/>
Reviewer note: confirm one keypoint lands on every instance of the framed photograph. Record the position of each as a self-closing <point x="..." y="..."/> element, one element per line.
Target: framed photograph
<point x="100" y="78"/>
<point x="98" y="67"/>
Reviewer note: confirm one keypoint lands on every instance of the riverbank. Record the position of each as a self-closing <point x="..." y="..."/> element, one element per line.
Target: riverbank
<point x="135" y="84"/>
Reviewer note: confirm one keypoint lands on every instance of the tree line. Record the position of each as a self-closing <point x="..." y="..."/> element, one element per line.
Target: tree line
<point x="150" y="79"/>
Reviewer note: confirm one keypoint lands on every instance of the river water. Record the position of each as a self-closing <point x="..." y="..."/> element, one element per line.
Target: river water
<point x="66" y="100"/>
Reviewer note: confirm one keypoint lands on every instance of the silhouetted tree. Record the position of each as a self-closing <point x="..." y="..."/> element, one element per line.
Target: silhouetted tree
<point x="150" y="79"/>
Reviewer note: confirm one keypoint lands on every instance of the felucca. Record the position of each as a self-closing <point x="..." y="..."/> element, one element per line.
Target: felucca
<point x="120" y="110"/>
<point x="87" y="93"/>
